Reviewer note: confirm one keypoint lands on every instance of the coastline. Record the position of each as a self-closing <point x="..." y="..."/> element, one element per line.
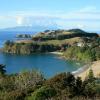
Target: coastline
<point x="56" y="53"/>
<point x="83" y="72"/>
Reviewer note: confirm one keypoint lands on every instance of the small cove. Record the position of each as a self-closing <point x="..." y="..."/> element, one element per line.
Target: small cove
<point x="48" y="64"/>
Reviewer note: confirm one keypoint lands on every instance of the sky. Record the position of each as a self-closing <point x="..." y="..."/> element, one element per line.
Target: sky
<point x="84" y="14"/>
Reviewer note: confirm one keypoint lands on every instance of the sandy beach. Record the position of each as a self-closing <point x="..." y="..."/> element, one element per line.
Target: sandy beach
<point x="95" y="67"/>
<point x="83" y="72"/>
<point x="57" y="53"/>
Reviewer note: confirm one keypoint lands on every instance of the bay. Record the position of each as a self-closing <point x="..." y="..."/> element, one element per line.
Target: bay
<point x="48" y="64"/>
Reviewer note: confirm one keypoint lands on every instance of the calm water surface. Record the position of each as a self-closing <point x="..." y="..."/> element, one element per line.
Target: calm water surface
<point x="48" y="64"/>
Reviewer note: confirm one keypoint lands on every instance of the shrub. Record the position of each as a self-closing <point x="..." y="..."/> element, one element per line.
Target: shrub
<point x="28" y="80"/>
<point x="43" y="93"/>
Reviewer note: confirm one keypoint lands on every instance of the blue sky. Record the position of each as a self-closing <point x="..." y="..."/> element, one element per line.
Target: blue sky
<point x="83" y="14"/>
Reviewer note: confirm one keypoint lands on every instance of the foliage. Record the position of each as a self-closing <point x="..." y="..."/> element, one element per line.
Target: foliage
<point x="91" y="77"/>
<point x="2" y="69"/>
<point x="43" y="93"/>
<point x="29" y="48"/>
<point x="17" y="86"/>
<point x="85" y="53"/>
<point x="32" y="86"/>
<point x="62" y="34"/>
<point x="28" y="80"/>
<point x="57" y="40"/>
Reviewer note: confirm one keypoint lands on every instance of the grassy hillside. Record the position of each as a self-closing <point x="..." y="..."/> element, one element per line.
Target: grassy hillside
<point x="62" y="34"/>
<point x="49" y="41"/>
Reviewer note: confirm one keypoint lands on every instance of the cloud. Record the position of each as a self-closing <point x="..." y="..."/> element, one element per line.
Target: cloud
<point x="88" y="9"/>
<point x="19" y="20"/>
<point x="81" y="26"/>
<point x="85" y="13"/>
<point x="86" y="18"/>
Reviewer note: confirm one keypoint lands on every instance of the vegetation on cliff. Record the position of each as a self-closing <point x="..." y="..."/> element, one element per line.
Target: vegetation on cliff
<point x="29" y="48"/>
<point x="88" y="52"/>
<point x="49" y="41"/>
<point x="62" y="34"/>
<point x="75" y="44"/>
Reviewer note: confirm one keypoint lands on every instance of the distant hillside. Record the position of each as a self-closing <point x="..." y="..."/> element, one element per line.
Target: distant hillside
<point x="76" y="31"/>
<point x="30" y="28"/>
<point x="51" y="40"/>
<point x="62" y="34"/>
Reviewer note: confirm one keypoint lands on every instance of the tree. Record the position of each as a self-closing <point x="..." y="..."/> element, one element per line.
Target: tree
<point x="78" y="86"/>
<point x="9" y="43"/>
<point x="2" y="69"/>
<point x="89" y="85"/>
<point x="91" y="77"/>
<point x="90" y="89"/>
<point x="28" y="80"/>
<point x="43" y="93"/>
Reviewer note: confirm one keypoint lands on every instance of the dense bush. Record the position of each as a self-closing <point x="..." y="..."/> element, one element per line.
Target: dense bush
<point x="32" y="86"/>
<point x="17" y="86"/>
<point x="67" y="86"/>
<point x="43" y="93"/>
<point x="85" y="53"/>
<point x="28" y="80"/>
<point x="29" y="48"/>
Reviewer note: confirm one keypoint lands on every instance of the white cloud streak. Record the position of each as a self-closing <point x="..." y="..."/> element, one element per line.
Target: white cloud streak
<point x="87" y="17"/>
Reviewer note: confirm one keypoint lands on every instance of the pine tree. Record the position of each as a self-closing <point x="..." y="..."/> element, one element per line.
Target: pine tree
<point x="91" y="77"/>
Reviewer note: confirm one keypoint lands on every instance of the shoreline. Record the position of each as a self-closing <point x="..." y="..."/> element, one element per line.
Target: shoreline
<point x="56" y="53"/>
<point x="83" y="72"/>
